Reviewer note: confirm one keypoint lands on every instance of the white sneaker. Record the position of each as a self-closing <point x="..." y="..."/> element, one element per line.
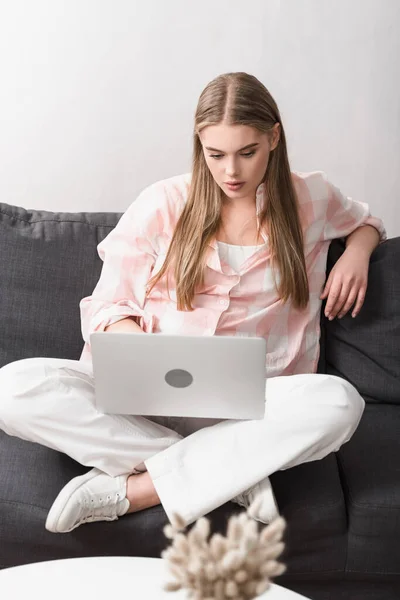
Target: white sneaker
<point x="91" y="497"/>
<point x="268" y="509"/>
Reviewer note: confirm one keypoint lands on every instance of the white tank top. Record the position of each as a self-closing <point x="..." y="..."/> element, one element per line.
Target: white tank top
<point x="235" y="256"/>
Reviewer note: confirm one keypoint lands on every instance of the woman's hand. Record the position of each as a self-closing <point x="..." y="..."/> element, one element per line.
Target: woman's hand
<point x="346" y="284"/>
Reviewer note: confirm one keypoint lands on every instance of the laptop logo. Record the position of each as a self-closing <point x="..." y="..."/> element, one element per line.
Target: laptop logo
<point x="179" y="378"/>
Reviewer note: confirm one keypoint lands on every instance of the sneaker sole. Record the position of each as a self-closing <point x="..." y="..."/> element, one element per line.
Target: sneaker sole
<point x="59" y="503"/>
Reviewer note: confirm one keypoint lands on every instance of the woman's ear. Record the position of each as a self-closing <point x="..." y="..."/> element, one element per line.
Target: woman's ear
<point x="275" y="134"/>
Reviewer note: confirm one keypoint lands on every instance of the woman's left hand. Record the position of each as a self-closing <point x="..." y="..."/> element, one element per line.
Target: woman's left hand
<point x="346" y="284"/>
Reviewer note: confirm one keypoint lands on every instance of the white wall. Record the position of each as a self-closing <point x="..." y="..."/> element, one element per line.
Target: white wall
<point x="97" y="96"/>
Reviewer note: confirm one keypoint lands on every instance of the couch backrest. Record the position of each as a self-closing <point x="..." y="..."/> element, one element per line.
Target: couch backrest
<point x="366" y="350"/>
<point x="48" y="262"/>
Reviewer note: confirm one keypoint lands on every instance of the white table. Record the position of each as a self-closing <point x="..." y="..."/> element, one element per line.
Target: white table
<point x="101" y="578"/>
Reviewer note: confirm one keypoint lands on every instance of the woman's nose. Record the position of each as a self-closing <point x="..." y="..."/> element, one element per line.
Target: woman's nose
<point x="231" y="168"/>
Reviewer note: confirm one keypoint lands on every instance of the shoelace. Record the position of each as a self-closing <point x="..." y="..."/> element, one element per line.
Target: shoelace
<point x="104" y="509"/>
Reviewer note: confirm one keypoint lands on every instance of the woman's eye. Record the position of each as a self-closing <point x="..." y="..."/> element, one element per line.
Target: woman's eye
<point x="245" y="154"/>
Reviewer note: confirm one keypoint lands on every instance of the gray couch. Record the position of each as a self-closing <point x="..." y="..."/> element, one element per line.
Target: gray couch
<point x="343" y="513"/>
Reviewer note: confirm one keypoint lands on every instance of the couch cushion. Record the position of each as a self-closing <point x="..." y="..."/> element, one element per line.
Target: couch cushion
<point x="310" y="498"/>
<point x="366" y="350"/>
<point x="49" y="262"/>
<point x="370" y="465"/>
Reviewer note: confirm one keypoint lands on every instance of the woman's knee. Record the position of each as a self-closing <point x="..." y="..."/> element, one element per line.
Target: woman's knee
<point x="8" y="377"/>
<point x="347" y="397"/>
<point x="344" y="407"/>
<point x="19" y="383"/>
<point x="327" y="403"/>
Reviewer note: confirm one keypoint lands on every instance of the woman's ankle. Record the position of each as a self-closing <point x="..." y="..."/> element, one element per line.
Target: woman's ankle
<point x="140" y="492"/>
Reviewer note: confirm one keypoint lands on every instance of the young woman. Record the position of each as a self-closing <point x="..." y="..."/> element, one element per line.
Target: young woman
<point x="238" y="247"/>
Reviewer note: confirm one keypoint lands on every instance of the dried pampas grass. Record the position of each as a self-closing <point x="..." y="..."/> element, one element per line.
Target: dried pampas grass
<point x="239" y="566"/>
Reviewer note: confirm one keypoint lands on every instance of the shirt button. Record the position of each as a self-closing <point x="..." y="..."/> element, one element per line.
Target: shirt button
<point x="223" y="302"/>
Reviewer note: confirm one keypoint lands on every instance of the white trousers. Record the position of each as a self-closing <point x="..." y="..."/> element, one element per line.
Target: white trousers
<point x="195" y="466"/>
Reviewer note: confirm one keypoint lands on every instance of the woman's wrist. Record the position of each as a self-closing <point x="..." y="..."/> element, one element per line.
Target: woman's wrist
<point x="127" y="325"/>
<point x="363" y="241"/>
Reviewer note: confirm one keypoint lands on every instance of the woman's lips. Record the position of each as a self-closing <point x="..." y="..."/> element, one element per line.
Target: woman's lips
<point x="234" y="186"/>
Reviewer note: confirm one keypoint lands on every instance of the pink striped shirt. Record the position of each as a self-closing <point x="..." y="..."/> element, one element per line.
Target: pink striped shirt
<point x="229" y="303"/>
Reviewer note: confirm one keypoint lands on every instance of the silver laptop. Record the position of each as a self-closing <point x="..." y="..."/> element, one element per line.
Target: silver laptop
<point x="179" y="376"/>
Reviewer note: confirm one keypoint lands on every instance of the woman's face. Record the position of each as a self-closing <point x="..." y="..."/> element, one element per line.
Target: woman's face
<point x="238" y="154"/>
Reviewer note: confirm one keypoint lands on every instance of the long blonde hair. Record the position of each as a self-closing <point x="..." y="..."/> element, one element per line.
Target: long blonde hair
<point x="237" y="99"/>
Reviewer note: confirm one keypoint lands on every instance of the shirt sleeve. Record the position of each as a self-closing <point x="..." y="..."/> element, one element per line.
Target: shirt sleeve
<point x="345" y="215"/>
<point x="128" y="254"/>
